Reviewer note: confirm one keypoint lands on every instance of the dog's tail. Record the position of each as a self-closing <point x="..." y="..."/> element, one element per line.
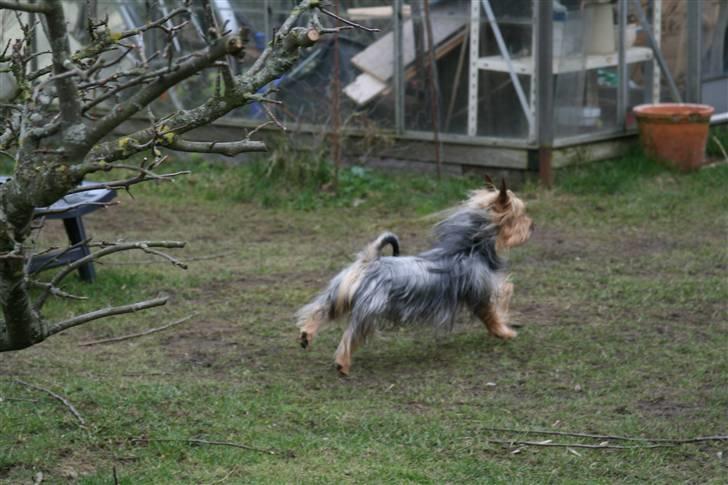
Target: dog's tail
<point x="336" y="299"/>
<point x="374" y="250"/>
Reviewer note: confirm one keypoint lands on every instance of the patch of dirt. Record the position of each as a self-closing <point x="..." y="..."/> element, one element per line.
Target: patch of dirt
<point x="662" y="407"/>
<point x="210" y="344"/>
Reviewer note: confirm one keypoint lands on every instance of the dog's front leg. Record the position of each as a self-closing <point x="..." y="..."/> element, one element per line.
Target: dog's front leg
<point x="503" y="300"/>
<point x="491" y="316"/>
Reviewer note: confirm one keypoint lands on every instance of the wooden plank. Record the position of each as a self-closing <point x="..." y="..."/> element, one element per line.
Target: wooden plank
<point x="367" y="87"/>
<point x="368" y="13"/>
<point x="377" y="60"/>
<point x="364" y="89"/>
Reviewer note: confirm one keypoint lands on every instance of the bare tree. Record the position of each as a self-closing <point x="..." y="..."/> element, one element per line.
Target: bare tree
<point x="58" y="129"/>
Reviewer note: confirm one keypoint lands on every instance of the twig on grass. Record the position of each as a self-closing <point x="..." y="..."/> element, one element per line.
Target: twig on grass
<point x="604" y="445"/>
<point x="18" y="399"/>
<point x="135" y="335"/>
<point x="227" y="475"/>
<point x="65" y="401"/>
<point x="206" y="442"/>
<point x="610" y="437"/>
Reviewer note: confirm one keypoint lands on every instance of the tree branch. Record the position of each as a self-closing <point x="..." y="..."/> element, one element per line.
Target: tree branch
<point x="103" y="313"/>
<point x="228" y="45"/>
<point x="136" y="335"/>
<point x="68" y="97"/>
<point x="40" y="7"/>
<point x="280" y="56"/>
<point x="112" y="248"/>
<point x="229" y="149"/>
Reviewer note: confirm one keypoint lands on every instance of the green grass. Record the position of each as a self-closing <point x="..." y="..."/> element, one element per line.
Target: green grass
<point x="621" y="293"/>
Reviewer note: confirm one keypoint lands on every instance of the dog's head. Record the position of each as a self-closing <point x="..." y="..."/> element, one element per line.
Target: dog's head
<point x="506" y="211"/>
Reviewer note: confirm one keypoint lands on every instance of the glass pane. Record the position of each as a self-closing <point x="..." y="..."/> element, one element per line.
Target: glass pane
<point x="499" y="112"/>
<point x="715" y="54"/>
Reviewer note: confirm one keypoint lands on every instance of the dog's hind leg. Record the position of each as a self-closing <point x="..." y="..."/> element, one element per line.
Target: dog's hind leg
<point x="349" y="343"/>
<point x="311" y="317"/>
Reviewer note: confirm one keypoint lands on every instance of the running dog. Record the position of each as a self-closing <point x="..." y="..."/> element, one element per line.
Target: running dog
<point x="464" y="269"/>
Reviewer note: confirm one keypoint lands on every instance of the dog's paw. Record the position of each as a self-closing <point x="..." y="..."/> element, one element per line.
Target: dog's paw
<point x="342" y="369"/>
<point x="505" y="332"/>
<point x="304" y="339"/>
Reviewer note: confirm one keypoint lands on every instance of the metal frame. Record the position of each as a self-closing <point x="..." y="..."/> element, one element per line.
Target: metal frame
<point x="656" y="50"/>
<point x="622" y="67"/>
<point x="694" y="74"/>
<point x="398" y="78"/>
<point x="475" y="6"/>
<point x="537" y="105"/>
<point x="544" y="91"/>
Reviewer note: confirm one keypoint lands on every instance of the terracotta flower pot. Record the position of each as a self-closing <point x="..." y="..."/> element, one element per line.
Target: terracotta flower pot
<point x="675" y="133"/>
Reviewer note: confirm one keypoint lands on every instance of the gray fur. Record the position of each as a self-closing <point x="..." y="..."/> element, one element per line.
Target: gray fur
<point x="461" y="270"/>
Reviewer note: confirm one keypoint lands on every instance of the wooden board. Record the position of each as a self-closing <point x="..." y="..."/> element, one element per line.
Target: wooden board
<point x="364" y="89"/>
<point x="377" y="60"/>
<point x="368" y="13"/>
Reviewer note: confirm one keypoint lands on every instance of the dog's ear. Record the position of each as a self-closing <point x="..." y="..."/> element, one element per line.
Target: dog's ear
<point x="489" y="182"/>
<point x="503" y="194"/>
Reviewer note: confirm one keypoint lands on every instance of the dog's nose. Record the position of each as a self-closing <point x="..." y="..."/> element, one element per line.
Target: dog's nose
<point x="533" y="226"/>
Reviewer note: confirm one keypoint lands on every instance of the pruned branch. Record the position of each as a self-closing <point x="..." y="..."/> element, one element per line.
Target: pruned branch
<point x="227" y="45"/>
<point x="103" y="313"/>
<point x="277" y="58"/>
<point x="56" y="291"/>
<point x="109" y="248"/>
<point x="229" y="149"/>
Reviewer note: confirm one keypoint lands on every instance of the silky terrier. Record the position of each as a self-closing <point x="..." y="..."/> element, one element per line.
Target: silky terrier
<point x="464" y="269"/>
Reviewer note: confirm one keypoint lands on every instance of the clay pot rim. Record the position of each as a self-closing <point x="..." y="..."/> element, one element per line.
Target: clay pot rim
<point x="674" y="111"/>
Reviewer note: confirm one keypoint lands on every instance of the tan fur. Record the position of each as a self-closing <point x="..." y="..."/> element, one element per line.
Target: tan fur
<point x="508" y="212"/>
<point x="348" y="287"/>
<point x="514" y="225"/>
<point x="342" y="358"/>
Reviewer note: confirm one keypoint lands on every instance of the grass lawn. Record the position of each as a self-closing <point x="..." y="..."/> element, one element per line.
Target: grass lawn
<point x="621" y="294"/>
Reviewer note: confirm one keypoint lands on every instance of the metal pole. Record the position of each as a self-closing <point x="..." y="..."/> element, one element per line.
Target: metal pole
<point x="434" y="87"/>
<point x="695" y="52"/>
<point x="622" y="67"/>
<point x="335" y="107"/>
<point x="544" y="88"/>
<point x="474" y="74"/>
<point x="266" y="20"/>
<point x="657" y="32"/>
<point x="399" y="120"/>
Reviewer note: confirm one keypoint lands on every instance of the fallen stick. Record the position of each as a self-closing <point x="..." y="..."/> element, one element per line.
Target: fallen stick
<point x="610" y="437"/>
<point x="65" y="401"/>
<point x="206" y="442"/>
<point x="581" y="445"/>
<point x="135" y="335"/>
